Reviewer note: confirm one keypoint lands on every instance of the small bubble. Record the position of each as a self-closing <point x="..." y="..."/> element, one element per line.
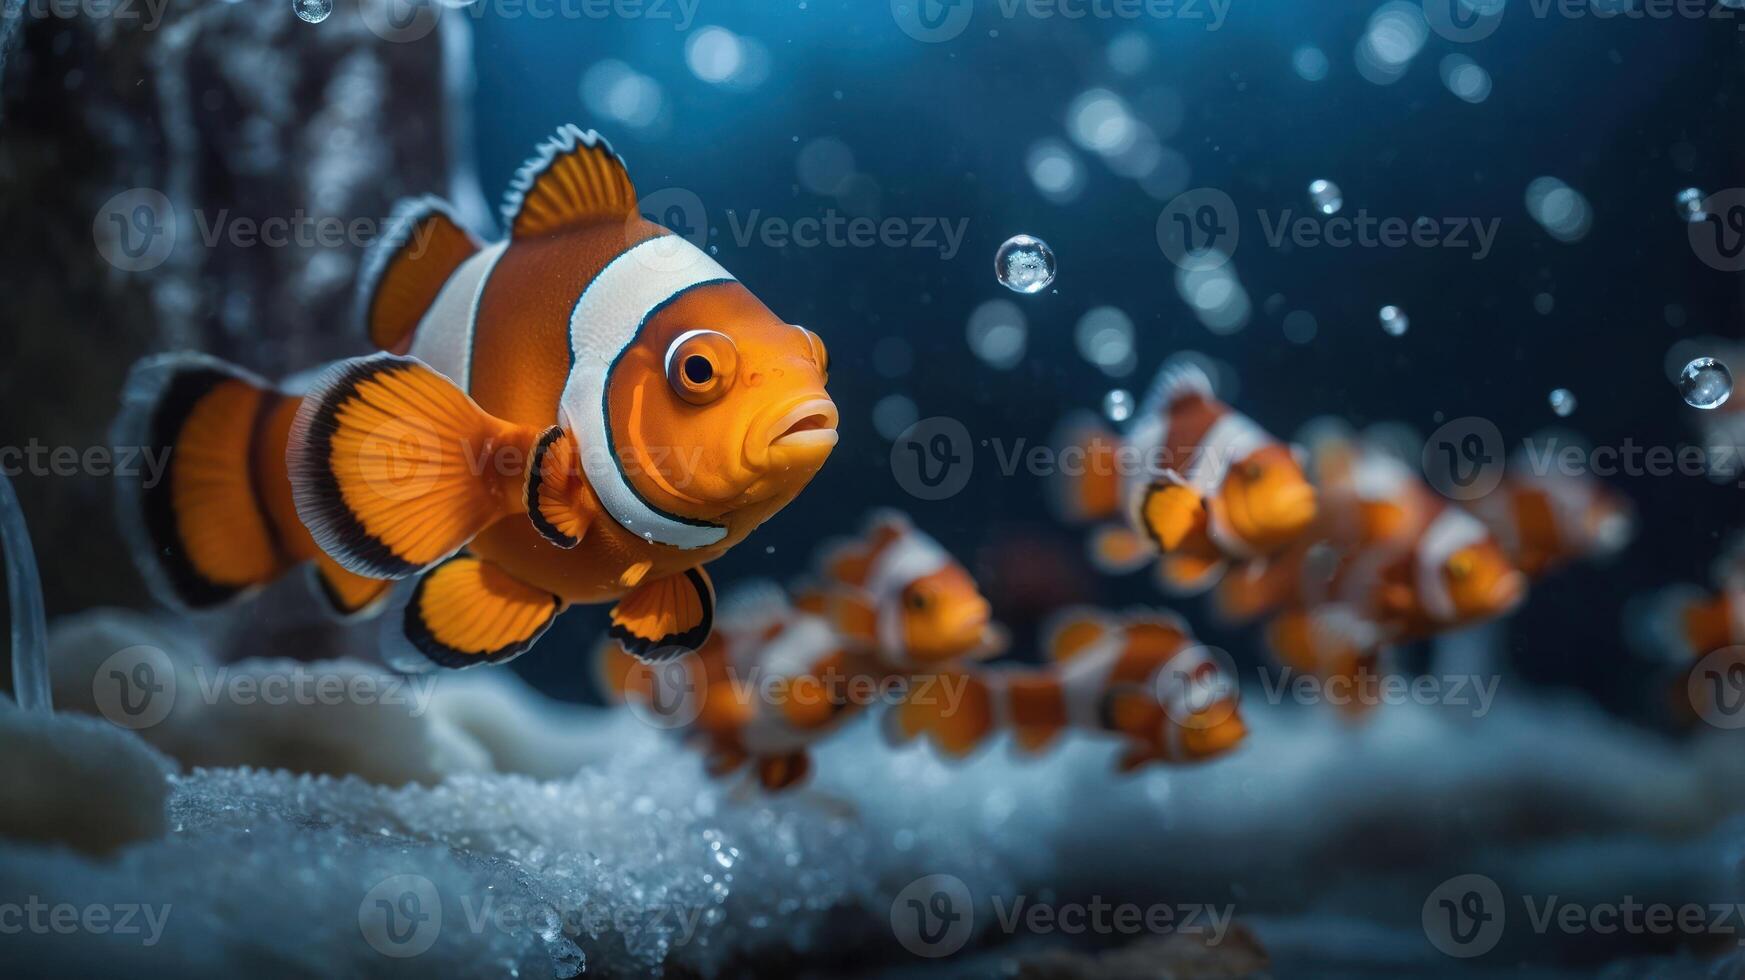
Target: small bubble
<point x="1025" y="264"/>
<point x="1118" y="405"/>
<point x="1544" y="303"/>
<point x="1326" y="197"/>
<point x="1394" y="321"/>
<point x="1690" y="205"/>
<point x="1705" y="383"/>
<point x="312" y="11"/>
<point x="1563" y="402"/>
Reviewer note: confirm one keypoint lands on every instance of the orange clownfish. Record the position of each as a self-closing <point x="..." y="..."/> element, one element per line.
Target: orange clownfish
<point x="1143" y="679"/>
<point x="896" y="593"/>
<point x="770" y="683"/>
<point x="586" y="411"/>
<point x="1346" y="608"/>
<point x="1548" y="520"/>
<point x="1203" y="483"/>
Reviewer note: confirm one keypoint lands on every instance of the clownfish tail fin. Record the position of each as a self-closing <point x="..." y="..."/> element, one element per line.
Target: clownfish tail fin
<point x="407" y="268"/>
<point x="954" y="710"/>
<point x="1086" y="486"/>
<point x="394" y="469"/>
<point x="199" y="508"/>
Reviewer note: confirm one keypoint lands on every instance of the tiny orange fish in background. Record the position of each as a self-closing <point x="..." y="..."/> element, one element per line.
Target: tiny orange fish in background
<point x="587" y="411"/>
<point x="1546" y="518"/>
<point x="1142" y="678"/>
<point x="781" y="674"/>
<point x="1192" y="478"/>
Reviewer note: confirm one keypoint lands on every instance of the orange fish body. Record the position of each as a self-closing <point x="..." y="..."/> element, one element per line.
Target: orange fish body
<point x="586" y="411"/>
<point x="1143" y="680"/>
<point x="1549" y="520"/>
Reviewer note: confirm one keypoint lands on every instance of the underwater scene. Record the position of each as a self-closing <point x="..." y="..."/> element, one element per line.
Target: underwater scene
<point x="1029" y="489"/>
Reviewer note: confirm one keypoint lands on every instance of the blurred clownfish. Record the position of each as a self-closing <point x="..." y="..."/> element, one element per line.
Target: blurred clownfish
<point x="776" y="677"/>
<point x="1143" y="679"/>
<point x="897" y="593"/>
<point x="768" y="685"/>
<point x="1201" y="482"/>
<point x="586" y="411"/>
<point x="1548" y="520"/>
<point x="1347" y="606"/>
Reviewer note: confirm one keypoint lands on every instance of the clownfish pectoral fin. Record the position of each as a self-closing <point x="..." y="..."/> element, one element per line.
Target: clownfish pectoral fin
<point x="393" y="468"/>
<point x="348" y="596"/>
<point x="559" y="502"/>
<point x="1073" y="632"/>
<point x="1171" y="512"/>
<point x="1118" y="550"/>
<point x="666" y="617"/>
<point x="407" y="268"/>
<point x="573" y="179"/>
<point x="1186" y="575"/>
<point x="467" y="612"/>
<point x="783" y="772"/>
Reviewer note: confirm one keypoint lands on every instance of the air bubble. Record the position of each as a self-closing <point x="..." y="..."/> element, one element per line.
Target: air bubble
<point x="1690" y="205"/>
<point x="1326" y="197"/>
<point x="1563" y="402"/>
<point x="1118" y="405"/>
<point x="1705" y="383"/>
<point x="312" y="11"/>
<point x="1025" y="264"/>
<point x="1394" y="321"/>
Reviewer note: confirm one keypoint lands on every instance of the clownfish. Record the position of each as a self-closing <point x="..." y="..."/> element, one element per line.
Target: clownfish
<point x="897" y="593"/>
<point x="1551" y="519"/>
<point x="1200" y="482"/>
<point x="589" y="410"/>
<point x="1142" y="679"/>
<point x="776" y="677"/>
<point x="767" y="685"/>
<point x="1346" y="606"/>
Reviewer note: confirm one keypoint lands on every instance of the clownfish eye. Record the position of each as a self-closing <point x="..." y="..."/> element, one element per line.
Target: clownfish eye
<point x="1460" y="566"/>
<point x="820" y="353"/>
<point x="701" y="365"/>
<point x="1251" y="470"/>
<point x="918" y="601"/>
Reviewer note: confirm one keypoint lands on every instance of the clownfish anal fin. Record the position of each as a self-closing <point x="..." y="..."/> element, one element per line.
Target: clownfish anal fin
<point x="467" y="612"/>
<point x="558" y="499"/>
<point x="666" y="617"/>
<point x="575" y="178"/>
<point x="407" y="267"/>
<point x="1171" y="512"/>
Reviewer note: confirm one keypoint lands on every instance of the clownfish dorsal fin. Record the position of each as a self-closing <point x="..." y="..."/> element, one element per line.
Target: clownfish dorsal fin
<point x="574" y="179"/>
<point x="847" y="563"/>
<point x="1073" y="633"/>
<point x="1157" y="632"/>
<point x="407" y="268"/>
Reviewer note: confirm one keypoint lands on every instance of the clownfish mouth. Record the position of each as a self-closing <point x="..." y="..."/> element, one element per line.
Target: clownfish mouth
<point x="809" y="424"/>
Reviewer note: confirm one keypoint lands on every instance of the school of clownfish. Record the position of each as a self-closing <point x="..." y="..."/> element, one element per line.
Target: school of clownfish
<point x="498" y="461"/>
